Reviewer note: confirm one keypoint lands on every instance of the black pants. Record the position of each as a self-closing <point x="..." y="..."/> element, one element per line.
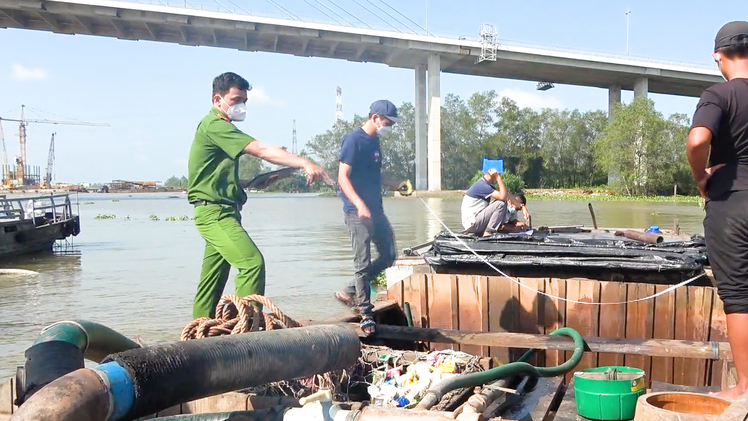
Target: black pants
<point x="362" y="234"/>
<point x="726" y="233"/>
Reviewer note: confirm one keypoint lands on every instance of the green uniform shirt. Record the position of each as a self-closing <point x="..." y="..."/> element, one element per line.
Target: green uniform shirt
<point x="213" y="166"/>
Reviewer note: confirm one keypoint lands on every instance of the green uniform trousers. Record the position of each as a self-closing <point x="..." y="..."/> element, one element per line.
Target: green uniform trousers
<point x="226" y="244"/>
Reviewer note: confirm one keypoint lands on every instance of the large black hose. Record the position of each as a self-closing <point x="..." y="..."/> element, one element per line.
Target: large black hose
<point x="170" y="374"/>
<point x="61" y="348"/>
<point x="436" y="392"/>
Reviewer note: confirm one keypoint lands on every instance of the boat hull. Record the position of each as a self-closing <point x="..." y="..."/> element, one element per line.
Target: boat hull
<point x="18" y="238"/>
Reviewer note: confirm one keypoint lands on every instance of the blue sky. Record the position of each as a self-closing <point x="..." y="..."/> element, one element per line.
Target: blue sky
<point x="154" y="94"/>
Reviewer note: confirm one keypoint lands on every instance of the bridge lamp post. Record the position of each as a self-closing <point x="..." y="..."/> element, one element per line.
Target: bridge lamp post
<point x="628" y="13"/>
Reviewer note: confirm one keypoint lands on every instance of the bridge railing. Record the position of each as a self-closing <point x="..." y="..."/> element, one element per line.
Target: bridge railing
<point x="220" y="6"/>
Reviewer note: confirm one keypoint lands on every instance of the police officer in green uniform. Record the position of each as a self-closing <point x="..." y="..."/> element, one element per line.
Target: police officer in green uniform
<point x="215" y="191"/>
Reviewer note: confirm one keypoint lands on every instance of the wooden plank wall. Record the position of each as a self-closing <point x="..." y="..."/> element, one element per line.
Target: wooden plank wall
<point x="495" y="303"/>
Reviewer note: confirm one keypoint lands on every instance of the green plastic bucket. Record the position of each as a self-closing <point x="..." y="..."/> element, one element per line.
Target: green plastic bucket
<point x="608" y="393"/>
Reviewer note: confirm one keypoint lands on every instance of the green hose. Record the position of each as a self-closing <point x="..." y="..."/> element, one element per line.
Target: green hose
<point x="408" y="313"/>
<point x="94" y="339"/>
<point x="435" y="393"/>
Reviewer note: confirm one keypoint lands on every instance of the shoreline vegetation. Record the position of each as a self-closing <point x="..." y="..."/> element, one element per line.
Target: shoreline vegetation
<point x="637" y="155"/>
<point x="576" y="195"/>
<point x="571" y="195"/>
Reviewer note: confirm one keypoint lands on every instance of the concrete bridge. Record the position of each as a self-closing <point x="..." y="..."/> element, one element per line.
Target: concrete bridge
<point x="427" y="55"/>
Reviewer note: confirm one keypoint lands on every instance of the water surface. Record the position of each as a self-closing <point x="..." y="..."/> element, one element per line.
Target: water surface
<point x="139" y="276"/>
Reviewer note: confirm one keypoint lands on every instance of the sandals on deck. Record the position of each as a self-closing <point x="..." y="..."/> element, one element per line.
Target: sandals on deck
<point x="344" y="298"/>
<point x="368" y="325"/>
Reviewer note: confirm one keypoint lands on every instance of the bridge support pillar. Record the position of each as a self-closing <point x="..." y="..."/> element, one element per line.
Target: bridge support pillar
<point x="422" y="145"/>
<point x="434" y="125"/>
<point x="614" y="98"/>
<point x="641" y="87"/>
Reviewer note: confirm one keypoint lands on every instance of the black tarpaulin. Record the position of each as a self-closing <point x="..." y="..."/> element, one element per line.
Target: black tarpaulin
<point x="543" y="249"/>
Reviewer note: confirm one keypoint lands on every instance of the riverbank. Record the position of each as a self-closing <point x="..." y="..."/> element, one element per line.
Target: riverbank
<point x="574" y="195"/>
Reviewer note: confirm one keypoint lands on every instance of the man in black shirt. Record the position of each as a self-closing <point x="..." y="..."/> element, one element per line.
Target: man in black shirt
<point x="719" y="135"/>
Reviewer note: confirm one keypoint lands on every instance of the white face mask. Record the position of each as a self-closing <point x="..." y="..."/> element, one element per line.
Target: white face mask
<point x="383" y="130"/>
<point x="236" y="112"/>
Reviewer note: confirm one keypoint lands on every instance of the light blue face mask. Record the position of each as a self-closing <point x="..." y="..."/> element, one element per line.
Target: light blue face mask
<point x="511" y="210"/>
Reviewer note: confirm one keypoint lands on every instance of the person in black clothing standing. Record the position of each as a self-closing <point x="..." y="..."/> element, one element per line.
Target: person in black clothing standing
<point x="718" y="153"/>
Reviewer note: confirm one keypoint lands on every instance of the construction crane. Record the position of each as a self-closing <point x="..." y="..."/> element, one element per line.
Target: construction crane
<point x="47" y="183"/>
<point x="21" y="162"/>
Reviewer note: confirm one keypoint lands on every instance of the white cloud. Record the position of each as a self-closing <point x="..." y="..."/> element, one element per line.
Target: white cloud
<point x="257" y="96"/>
<point x="531" y="100"/>
<point x="141" y="159"/>
<point x="24" y="73"/>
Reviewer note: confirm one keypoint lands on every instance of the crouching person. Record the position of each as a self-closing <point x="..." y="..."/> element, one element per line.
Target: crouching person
<point x="484" y="217"/>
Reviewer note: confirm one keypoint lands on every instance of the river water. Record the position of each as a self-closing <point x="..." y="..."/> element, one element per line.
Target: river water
<point x="138" y="276"/>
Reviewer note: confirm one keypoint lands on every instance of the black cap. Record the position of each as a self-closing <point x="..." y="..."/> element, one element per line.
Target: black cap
<point x="732" y="34"/>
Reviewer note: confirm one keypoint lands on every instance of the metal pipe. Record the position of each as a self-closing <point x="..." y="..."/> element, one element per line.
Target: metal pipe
<point x="79" y="396"/>
<point x="641" y="236"/>
<point x="592" y="213"/>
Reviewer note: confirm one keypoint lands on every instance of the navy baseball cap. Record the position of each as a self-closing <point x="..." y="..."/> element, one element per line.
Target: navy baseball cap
<point x="385" y="109"/>
<point x="731" y="34"/>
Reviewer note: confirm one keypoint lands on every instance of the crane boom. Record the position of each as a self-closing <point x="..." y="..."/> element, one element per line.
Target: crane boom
<point x="67" y="123"/>
<point x="21" y="162"/>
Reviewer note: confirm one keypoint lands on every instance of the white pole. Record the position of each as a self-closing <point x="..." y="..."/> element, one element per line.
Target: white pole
<point x="628" y="12"/>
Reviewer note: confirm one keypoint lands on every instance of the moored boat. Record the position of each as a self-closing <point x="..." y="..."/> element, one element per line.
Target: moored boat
<point x="32" y="224"/>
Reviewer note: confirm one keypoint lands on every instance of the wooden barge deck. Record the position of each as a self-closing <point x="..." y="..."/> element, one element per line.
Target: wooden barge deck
<point x="493" y="303"/>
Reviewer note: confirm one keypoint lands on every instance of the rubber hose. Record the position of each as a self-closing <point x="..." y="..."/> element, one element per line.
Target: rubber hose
<point x="61" y="348"/>
<point x="435" y="393"/>
<point x="408" y="314"/>
<point x="94" y="339"/>
<point x="170" y="374"/>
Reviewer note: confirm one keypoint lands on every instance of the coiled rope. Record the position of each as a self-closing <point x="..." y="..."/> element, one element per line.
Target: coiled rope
<point x="236" y="315"/>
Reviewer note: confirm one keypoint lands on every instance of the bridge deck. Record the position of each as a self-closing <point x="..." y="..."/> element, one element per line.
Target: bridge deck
<point x="136" y="21"/>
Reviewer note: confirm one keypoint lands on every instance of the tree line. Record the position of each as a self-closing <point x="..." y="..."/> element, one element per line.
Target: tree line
<point x="637" y="152"/>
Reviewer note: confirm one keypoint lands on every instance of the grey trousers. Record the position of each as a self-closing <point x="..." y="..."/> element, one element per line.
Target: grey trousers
<point x="489" y="219"/>
<point x="362" y="233"/>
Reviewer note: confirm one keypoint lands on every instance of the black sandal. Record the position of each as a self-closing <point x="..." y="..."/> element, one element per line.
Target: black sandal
<point x="368" y="326"/>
